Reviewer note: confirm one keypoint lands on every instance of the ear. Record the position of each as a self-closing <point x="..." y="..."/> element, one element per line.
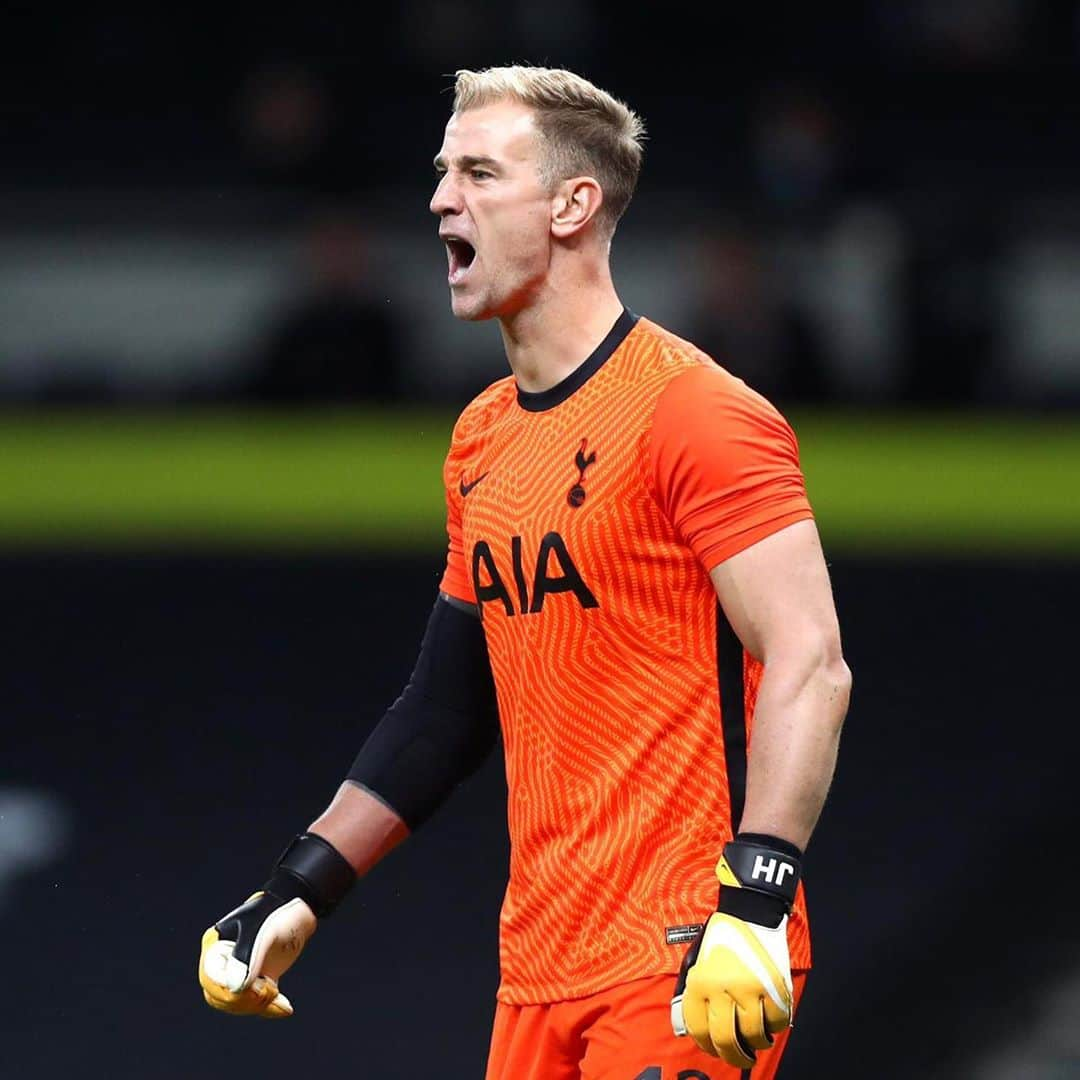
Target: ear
<point x="574" y="205"/>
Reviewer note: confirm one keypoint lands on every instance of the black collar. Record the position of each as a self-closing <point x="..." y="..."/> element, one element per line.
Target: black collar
<point x="542" y="400"/>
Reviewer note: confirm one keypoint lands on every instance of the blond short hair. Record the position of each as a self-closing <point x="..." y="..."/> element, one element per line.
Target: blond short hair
<point x="587" y="132"/>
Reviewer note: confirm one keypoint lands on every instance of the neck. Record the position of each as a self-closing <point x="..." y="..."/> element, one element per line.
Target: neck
<point x="546" y="341"/>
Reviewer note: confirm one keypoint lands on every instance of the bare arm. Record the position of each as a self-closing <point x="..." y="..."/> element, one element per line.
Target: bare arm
<point x="361" y="827"/>
<point x="777" y="596"/>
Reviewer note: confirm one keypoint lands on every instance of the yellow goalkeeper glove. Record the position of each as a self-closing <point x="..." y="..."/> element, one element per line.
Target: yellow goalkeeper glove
<point x="245" y="953"/>
<point x="733" y="994"/>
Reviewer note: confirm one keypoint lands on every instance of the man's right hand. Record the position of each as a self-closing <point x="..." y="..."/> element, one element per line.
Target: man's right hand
<point x="245" y="953"/>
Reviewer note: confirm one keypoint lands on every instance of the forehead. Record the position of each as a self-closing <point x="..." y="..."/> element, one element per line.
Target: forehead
<point x="504" y="130"/>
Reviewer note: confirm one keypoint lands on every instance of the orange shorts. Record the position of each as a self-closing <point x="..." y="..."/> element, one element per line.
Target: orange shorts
<point x="619" y="1034"/>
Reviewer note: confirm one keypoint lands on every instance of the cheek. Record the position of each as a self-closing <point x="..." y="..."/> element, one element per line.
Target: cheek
<point x="513" y="221"/>
<point x="525" y="242"/>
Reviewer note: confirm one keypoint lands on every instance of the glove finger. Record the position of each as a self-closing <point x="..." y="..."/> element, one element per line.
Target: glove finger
<point x="778" y="1018"/>
<point x="696" y="1021"/>
<point x="212" y="1001"/>
<point x="279" y="1008"/>
<point x="243" y="1004"/>
<point x="724" y="1034"/>
<point x="261" y="998"/>
<point x="273" y="1004"/>
<point x="752" y="1025"/>
<point x="234" y="1004"/>
<point x="218" y="965"/>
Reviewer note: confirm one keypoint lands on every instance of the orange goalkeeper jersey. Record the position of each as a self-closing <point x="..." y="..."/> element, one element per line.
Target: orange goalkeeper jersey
<point x="583" y="521"/>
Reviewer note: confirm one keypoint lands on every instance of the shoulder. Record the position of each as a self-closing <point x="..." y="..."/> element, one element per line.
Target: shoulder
<point x="692" y="381"/>
<point x="699" y="405"/>
<point x="654" y="357"/>
<point x="655" y="349"/>
<point x="482" y="414"/>
<point x="683" y="376"/>
<point x="706" y="387"/>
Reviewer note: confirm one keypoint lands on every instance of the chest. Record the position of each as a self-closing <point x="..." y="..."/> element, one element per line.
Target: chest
<point x="551" y="507"/>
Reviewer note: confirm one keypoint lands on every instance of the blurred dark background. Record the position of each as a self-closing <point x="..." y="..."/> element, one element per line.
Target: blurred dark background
<point x="874" y="205"/>
<point x="871" y="213"/>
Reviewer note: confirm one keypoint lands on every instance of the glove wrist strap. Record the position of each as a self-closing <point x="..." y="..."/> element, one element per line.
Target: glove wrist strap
<point x="314" y="870"/>
<point x="758" y="878"/>
<point x="753" y="907"/>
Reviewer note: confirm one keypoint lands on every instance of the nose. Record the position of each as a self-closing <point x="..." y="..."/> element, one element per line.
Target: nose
<point x="446" y="199"/>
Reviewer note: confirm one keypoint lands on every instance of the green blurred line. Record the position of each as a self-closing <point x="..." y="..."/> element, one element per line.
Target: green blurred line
<point x="944" y="483"/>
<point x="327" y="478"/>
<point x="361" y="478"/>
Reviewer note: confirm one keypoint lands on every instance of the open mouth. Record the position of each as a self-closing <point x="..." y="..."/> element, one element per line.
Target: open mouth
<point x="460" y="254"/>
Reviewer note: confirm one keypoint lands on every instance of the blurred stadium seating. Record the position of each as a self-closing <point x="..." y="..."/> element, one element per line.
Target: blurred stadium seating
<point x="905" y="179"/>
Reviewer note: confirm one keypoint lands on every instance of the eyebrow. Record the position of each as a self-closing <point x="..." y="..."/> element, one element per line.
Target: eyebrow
<point x="468" y="161"/>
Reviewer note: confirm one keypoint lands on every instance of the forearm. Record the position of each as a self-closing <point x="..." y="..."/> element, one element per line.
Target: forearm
<point x="360" y="826"/>
<point x="800" y="710"/>
<point x="437" y="732"/>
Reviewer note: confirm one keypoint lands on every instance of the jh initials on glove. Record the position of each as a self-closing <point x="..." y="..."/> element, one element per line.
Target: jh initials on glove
<point x="733" y="994"/>
<point x="245" y="953"/>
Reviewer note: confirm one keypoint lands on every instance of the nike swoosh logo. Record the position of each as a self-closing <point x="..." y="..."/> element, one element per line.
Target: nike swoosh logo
<point x="466" y="488"/>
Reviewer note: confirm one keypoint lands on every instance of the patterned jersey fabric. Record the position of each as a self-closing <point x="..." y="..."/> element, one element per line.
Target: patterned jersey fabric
<point x="583" y="521"/>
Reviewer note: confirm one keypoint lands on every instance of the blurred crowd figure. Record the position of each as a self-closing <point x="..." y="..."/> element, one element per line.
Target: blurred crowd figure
<point x="285" y="121"/>
<point x="746" y="311"/>
<point x="338" y="339"/>
<point x="957" y="34"/>
<point x="976" y="176"/>
<point x="797" y="150"/>
<point x="750" y="325"/>
<point x="951" y="311"/>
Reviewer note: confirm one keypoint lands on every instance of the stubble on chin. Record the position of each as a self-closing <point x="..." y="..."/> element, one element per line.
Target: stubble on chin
<point x="471" y="309"/>
<point x="466" y="312"/>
